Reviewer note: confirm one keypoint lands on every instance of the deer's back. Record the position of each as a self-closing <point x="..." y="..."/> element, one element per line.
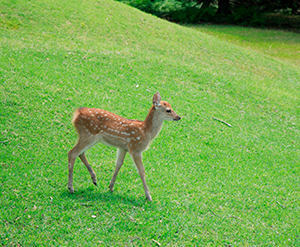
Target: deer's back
<point x="110" y="129"/>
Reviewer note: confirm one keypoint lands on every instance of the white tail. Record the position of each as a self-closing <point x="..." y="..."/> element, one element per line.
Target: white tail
<point x="95" y="125"/>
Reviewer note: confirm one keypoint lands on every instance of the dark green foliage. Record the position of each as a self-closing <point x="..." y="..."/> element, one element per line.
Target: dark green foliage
<point x="183" y="11"/>
<point x="207" y="14"/>
<point x="268" y="6"/>
<point x="246" y="16"/>
<point x="186" y="12"/>
<point x="246" y="12"/>
<point x="175" y="10"/>
<point x="144" y="5"/>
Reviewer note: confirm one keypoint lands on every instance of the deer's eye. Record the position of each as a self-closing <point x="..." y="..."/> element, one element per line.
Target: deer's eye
<point x="168" y="111"/>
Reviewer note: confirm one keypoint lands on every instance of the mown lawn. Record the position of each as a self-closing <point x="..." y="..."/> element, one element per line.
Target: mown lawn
<point x="279" y="44"/>
<point x="210" y="184"/>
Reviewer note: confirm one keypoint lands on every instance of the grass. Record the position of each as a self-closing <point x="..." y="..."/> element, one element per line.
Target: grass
<point x="278" y="44"/>
<point x="210" y="184"/>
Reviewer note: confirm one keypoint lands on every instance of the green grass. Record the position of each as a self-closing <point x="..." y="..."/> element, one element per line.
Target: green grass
<point x="282" y="45"/>
<point x="210" y="184"/>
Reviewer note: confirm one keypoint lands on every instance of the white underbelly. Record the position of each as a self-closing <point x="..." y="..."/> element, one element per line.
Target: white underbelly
<point x="112" y="141"/>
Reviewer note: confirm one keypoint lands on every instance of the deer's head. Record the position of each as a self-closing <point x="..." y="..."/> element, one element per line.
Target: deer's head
<point x="164" y="109"/>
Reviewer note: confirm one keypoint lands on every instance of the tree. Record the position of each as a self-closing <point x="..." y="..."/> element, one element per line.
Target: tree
<point x="223" y="8"/>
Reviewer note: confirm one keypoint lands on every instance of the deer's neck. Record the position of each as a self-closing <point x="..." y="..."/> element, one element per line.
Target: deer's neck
<point x="152" y="123"/>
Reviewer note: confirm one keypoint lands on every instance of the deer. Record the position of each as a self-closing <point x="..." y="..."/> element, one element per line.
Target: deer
<point x="95" y="125"/>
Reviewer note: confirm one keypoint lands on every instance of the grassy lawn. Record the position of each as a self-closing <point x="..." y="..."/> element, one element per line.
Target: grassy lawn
<point x="210" y="184"/>
<point x="278" y="44"/>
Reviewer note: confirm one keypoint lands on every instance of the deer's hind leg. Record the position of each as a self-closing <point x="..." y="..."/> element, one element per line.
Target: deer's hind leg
<point x="82" y="145"/>
<point x="88" y="166"/>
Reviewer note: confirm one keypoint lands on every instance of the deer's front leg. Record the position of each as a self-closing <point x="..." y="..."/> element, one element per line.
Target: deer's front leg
<point x="137" y="158"/>
<point x="88" y="166"/>
<point x="120" y="159"/>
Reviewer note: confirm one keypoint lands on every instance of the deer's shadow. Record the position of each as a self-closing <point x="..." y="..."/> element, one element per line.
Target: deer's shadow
<point x="90" y="196"/>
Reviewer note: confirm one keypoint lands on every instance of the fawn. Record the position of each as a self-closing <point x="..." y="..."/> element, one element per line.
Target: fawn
<point x="96" y="125"/>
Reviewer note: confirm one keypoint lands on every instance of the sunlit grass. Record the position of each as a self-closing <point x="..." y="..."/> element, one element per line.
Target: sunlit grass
<point x="281" y="45"/>
<point x="210" y="184"/>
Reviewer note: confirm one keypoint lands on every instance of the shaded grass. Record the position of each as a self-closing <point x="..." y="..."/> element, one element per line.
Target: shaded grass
<point x="211" y="185"/>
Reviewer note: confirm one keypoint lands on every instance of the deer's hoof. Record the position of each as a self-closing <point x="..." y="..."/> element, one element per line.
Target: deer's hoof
<point x="149" y="198"/>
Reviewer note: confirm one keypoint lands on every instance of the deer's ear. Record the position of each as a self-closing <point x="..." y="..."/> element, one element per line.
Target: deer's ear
<point x="156" y="100"/>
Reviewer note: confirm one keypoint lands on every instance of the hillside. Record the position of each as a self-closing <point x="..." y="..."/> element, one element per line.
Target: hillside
<point x="210" y="184"/>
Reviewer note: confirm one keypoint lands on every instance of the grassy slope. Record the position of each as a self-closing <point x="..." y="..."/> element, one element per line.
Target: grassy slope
<point x="278" y="44"/>
<point x="211" y="184"/>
